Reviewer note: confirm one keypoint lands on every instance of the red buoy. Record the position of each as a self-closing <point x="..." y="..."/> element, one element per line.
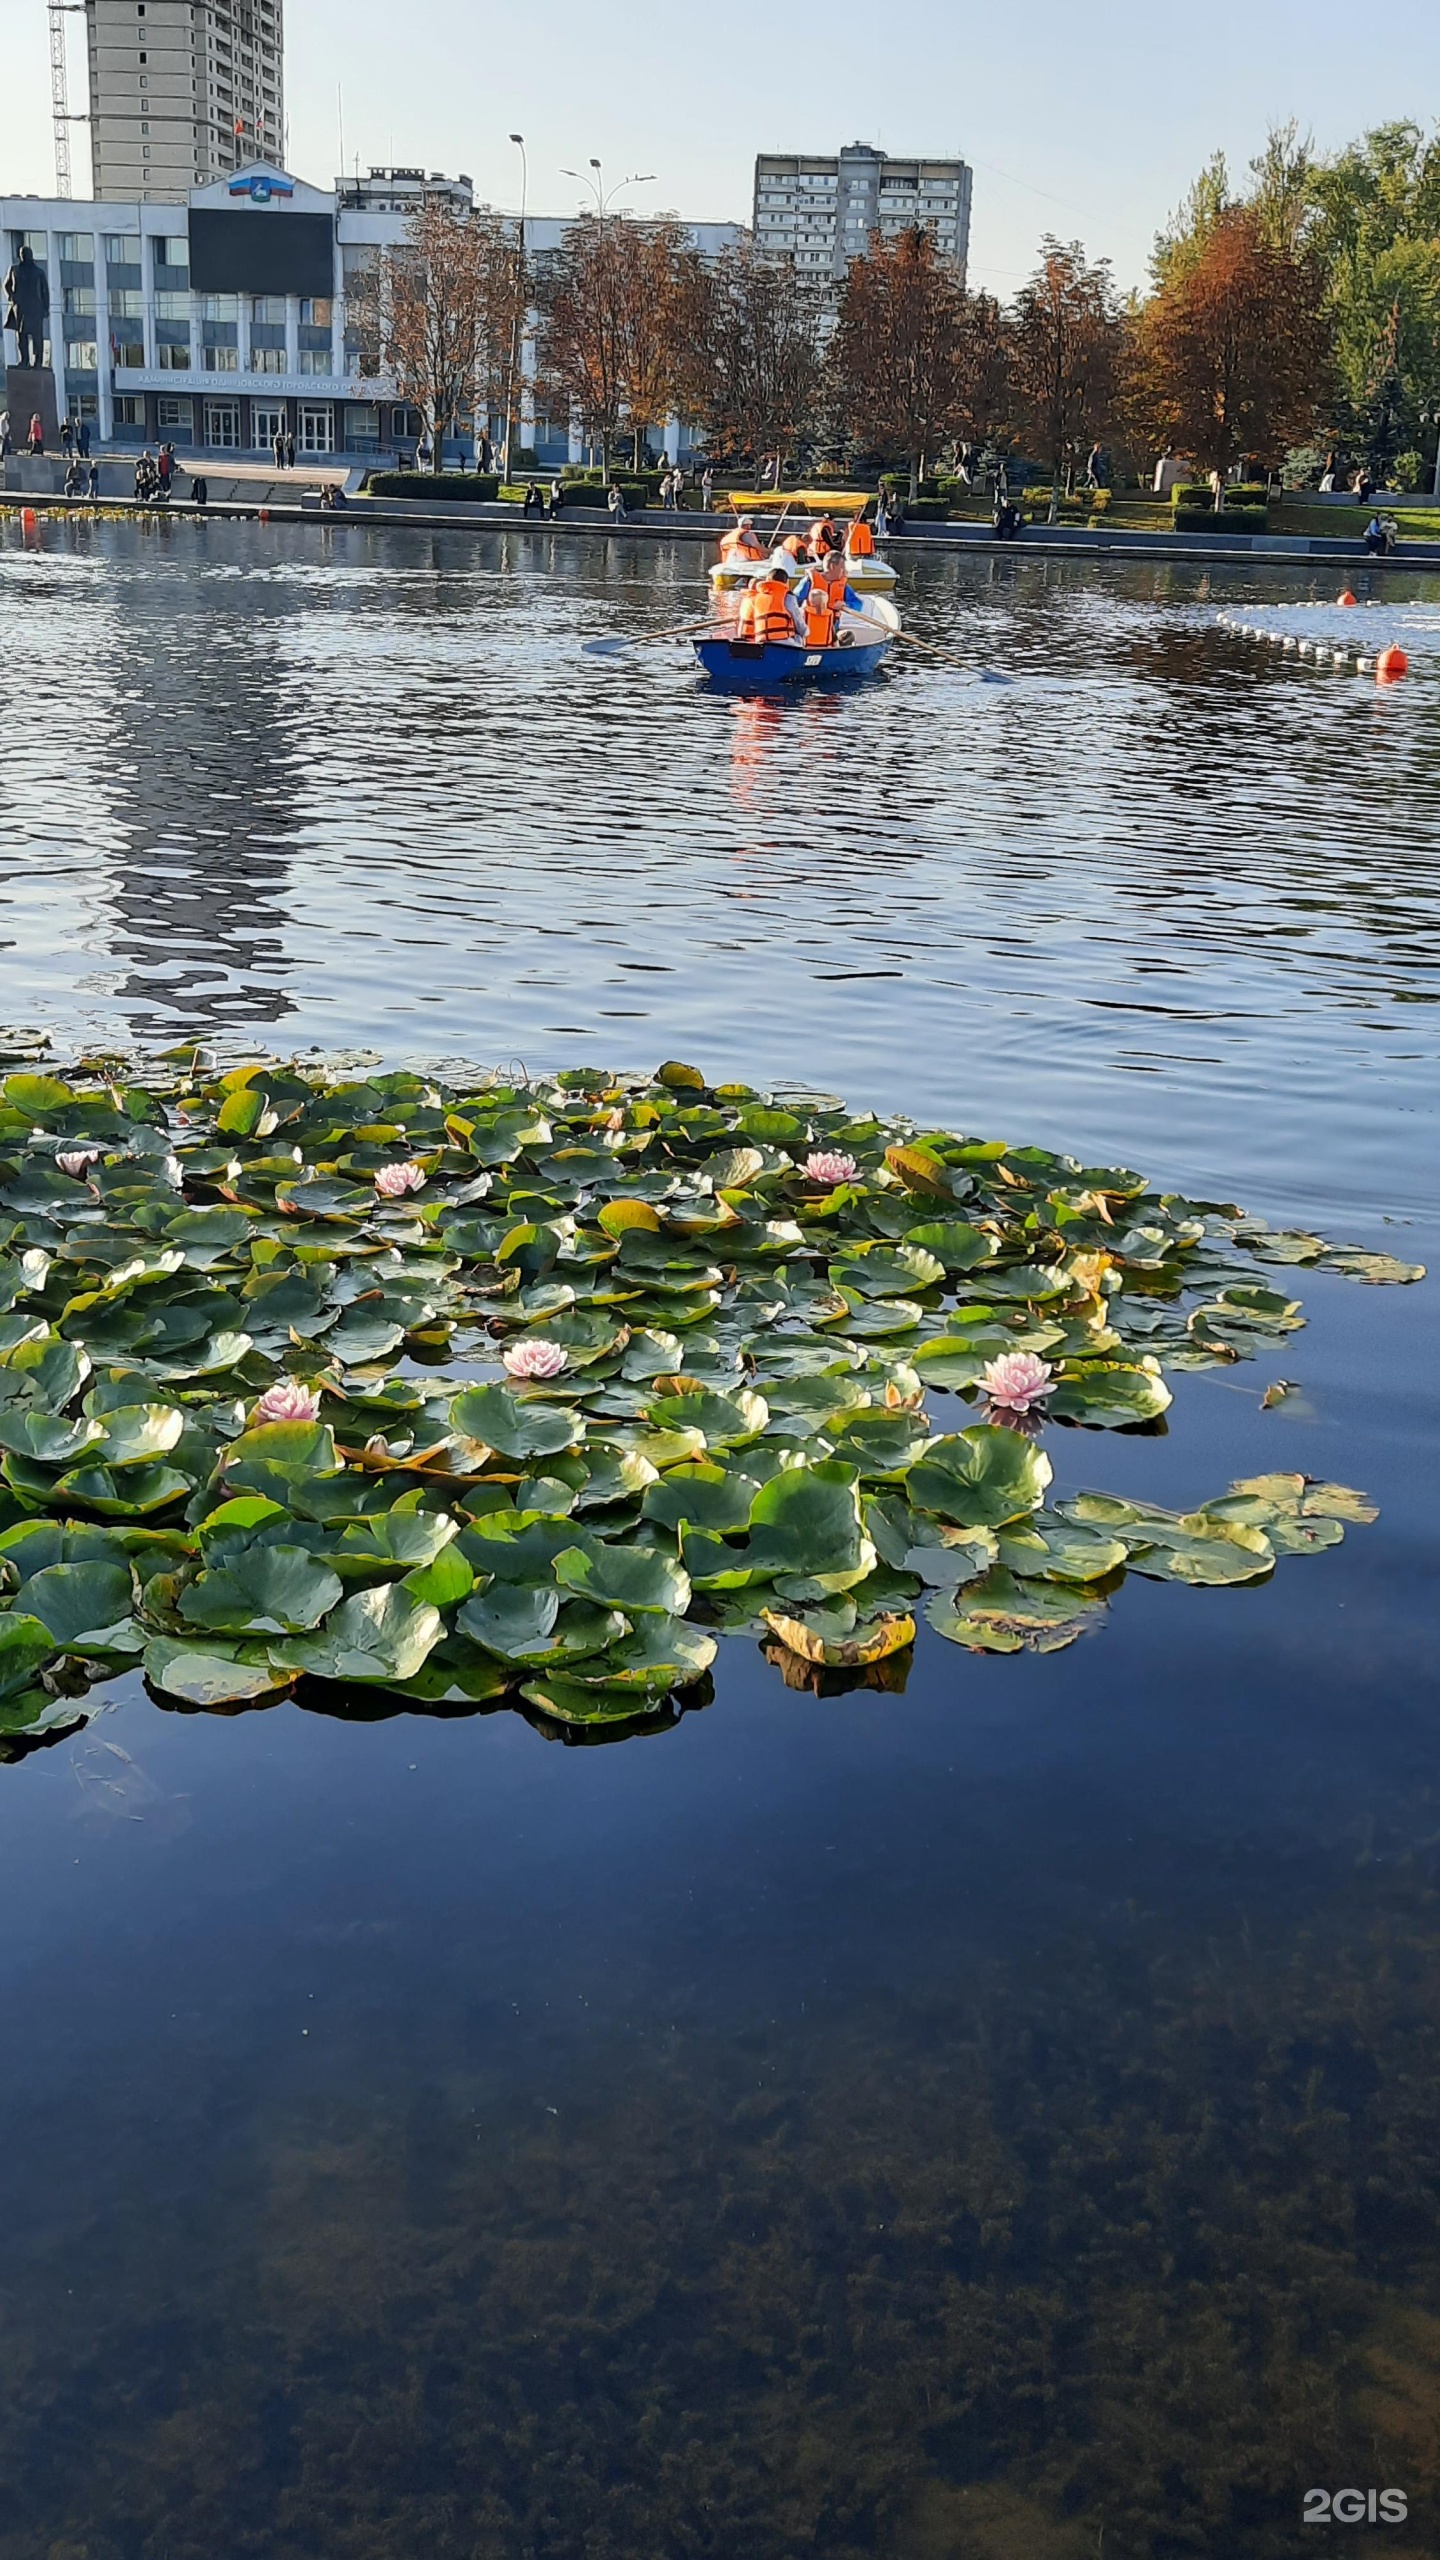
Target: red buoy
<point x="264" y="515"/>
<point x="1345" y="597"/>
<point x="1390" y="664"/>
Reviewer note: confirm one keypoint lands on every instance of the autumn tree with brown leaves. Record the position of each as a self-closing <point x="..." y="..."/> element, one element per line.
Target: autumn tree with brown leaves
<point x="437" y="311"/>
<point x="1065" y="334"/>
<point x="902" y="349"/>
<point x="749" y="371"/>
<point x="609" y="300"/>
<point x="1231" y="358"/>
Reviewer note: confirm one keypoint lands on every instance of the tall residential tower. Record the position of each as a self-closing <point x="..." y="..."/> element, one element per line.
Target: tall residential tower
<point x="822" y="212"/>
<point x="182" y="91"/>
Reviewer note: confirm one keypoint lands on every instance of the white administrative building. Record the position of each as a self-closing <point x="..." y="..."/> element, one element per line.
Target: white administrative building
<point x="217" y="319"/>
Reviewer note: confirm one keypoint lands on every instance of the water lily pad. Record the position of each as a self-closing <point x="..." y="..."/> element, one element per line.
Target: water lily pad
<point x="980" y="1478"/>
<point x="871" y="1643"/>
<point x="1054" y="1549"/>
<point x="131" y="1494"/>
<point x="628" y="1578"/>
<point x="1110" y="1392"/>
<point x="376" y="1635"/>
<point x="660" y="1653"/>
<point x="137" y="1434"/>
<point x="263" y="1591"/>
<point x="206" y="1676"/>
<point x="1001" y="1614"/>
<point x="887" y="1270"/>
<point x="516" y="1428"/>
<point x="528" y="1625"/>
<point x="49" y="1439"/>
<point x="85" y="1606"/>
<point x="726" y="1421"/>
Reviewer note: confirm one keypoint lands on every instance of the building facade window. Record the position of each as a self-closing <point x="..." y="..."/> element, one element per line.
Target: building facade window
<point x="175" y="417"/>
<point x="82" y="355"/>
<point x="78" y="247"/>
<point x="129" y="410"/>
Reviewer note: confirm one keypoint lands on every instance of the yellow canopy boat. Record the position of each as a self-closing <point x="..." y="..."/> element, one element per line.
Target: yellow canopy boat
<point x="791" y="511"/>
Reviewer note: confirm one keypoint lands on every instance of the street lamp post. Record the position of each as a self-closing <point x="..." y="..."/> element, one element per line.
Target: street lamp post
<point x="517" y="320"/>
<point x="605" y="196"/>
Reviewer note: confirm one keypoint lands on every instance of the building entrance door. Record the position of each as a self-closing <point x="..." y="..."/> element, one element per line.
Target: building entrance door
<point x="267" y="421"/>
<point x="222" y="424"/>
<point x="316" y="432"/>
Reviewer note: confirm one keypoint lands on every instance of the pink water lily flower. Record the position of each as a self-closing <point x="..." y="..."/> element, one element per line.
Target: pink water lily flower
<point x="829" y="1166"/>
<point x="76" y="1161"/>
<point x="287" y="1401"/>
<point x="1016" y="1380"/>
<point x="394" y="1180"/>
<point x="534" y="1359"/>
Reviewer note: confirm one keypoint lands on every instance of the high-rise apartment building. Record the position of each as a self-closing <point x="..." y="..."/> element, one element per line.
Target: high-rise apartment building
<point x="823" y="212"/>
<point x="182" y="91"/>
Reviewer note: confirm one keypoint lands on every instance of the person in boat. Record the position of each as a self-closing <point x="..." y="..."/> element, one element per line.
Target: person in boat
<point x="822" y="598"/>
<point x="792" y="548"/>
<point x="823" y="539"/>
<point x="860" y="541"/>
<point x="767" y="611"/>
<point x="743" y="543"/>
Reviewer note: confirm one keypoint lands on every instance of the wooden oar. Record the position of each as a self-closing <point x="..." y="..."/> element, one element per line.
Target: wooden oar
<point x="986" y="675"/>
<point x="680" y="631"/>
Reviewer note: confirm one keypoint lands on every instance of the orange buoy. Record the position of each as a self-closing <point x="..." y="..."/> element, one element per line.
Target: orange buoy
<point x="264" y="515"/>
<point x="29" y="519"/>
<point x="1391" y="664"/>
<point x="1345" y="597"/>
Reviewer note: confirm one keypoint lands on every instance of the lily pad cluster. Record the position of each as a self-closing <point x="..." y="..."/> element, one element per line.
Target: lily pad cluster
<point x="525" y="1392"/>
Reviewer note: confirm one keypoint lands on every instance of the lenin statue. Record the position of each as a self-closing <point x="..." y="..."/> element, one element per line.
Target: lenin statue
<point x="27" y="308"/>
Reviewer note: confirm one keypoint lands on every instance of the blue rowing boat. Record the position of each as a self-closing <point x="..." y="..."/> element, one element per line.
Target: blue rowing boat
<point x="770" y="666"/>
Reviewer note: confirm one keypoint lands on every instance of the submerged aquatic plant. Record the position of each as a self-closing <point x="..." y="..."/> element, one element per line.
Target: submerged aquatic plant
<point x="231" y="1448"/>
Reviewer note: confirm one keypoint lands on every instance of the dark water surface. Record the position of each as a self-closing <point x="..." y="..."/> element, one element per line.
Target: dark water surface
<point x="997" y="2122"/>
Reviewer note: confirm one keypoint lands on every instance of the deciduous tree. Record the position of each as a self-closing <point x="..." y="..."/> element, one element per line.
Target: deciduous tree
<point x="436" y="312"/>
<point x="609" y="299"/>
<point x="1230" y="359"/>
<point x="1065" y="345"/>
<point x="749" y="366"/>
<point x="902" y="347"/>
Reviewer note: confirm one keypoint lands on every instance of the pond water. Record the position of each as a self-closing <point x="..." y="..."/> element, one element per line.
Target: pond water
<point x="998" y="2119"/>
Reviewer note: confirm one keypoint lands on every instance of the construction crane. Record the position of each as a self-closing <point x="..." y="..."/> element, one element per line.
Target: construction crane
<point x="59" y="11"/>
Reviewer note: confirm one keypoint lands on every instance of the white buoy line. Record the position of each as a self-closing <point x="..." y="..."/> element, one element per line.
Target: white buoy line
<point x="1385" y="663"/>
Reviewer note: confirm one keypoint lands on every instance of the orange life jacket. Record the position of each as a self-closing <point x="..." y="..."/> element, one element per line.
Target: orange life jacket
<point x="823" y="540"/>
<point x="822" y="604"/>
<point x="794" y="543"/>
<point x="764" y="612"/>
<point x="741" y="546"/>
<point x="860" y="541"/>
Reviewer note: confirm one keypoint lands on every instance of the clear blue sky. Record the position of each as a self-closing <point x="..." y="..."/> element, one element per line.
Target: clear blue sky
<point x="1088" y="123"/>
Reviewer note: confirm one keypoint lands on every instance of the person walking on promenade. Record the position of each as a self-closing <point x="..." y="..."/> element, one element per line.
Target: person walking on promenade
<point x="82" y="439"/>
<point x="707" y="488"/>
<point x="93" y="490"/>
<point x="37" y="434"/>
<point x="277" y="443"/>
<point x="289" y="449"/>
<point x="67" y="436"/>
<point x="165" y="469"/>
<point x="615" y="501"/>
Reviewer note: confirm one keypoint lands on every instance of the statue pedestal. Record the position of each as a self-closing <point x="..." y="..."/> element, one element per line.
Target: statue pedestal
<point x="30" y="389"/>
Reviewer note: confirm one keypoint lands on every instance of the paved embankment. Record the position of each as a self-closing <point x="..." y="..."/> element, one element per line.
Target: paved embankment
<point x="1266" y="549"/>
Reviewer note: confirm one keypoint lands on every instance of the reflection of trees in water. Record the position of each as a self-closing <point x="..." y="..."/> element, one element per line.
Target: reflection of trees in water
<point x="203" y="778"/>
<point x="1146" y="2240"/>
